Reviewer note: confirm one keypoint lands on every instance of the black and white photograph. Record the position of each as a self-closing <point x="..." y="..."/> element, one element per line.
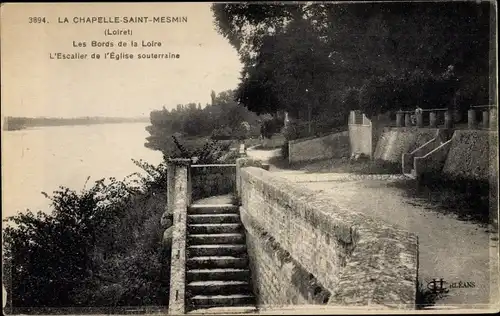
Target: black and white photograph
<point x="225" y="158"/>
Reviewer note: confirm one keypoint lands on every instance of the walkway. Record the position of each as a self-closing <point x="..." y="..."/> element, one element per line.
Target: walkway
<point x="448" y="248"/>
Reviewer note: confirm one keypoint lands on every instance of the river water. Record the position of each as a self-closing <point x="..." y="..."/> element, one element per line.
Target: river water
<point x="42" y="159"/>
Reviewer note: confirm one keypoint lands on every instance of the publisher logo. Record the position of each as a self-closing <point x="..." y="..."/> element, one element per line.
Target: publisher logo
<point x="438" y="286"/>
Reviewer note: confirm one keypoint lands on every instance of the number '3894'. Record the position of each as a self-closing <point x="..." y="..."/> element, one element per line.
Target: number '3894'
<point x="37" y="19"/>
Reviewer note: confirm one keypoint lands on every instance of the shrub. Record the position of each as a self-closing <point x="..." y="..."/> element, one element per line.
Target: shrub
<point x="271" y="126"/>
<point x="98" y="247"/>
<point x="212" y="151"/>
<point x="224" y="133"/>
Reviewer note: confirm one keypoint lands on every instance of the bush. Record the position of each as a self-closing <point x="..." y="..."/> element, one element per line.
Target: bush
<point x="212" y="181"/>
<point x="300" y="129"/>
<point x="211" y="151"/>
<point x="271" y="126"/>
<point x="98" y="247"/>
<point x="224" y="133"/>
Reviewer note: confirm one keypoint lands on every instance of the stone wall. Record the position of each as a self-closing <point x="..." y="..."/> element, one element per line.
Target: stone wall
<point x="276" y="141"/>
<point x="473" y="155"/>
<point x="178" y="201"/>
<point x="360" y="138"/>
<point x="393" y="142"/>
<point x="364" y="132"/>
<point x="326" y="147"/>
<point x="292" y="283"/>
<point x="306" y="250"/>
<point x="360" y="134"/>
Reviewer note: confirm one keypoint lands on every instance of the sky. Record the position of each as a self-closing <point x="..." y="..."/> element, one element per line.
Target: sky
<point x="33" y="84"/>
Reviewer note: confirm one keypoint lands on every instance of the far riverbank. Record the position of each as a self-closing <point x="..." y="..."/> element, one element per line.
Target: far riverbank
<point x="18" y="123"/>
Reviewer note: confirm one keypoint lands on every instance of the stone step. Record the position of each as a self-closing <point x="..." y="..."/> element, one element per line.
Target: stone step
<point x="221" y="262"/>
<point x="214" y="228"/>
<point x="218" y="287"/>
<point x="207" y="301"/>
<point x="216" y="250"/>
<point x="213" y="209"/>
<point x="218" y="274"/>
<point x="213" y="218"/>
<point x="230" y="238"/>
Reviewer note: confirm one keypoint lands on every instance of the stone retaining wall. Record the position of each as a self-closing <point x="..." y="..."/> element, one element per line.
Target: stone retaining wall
<point x="473" y="155"/>
<point x="307" y="250"/>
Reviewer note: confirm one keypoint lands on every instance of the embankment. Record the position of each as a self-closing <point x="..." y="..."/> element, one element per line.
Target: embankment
<point x="306" y="250"/>
<point x="310" y="149"/>
<point x="393" y="142"/>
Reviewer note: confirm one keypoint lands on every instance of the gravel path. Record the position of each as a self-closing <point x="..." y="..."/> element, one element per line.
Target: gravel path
<point x="449" y="248"/>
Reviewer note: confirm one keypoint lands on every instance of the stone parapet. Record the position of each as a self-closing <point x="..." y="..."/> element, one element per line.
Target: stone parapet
<point x="246" y="162"/>
<point x="349" y="258"/>
<point x="178" y="200"/>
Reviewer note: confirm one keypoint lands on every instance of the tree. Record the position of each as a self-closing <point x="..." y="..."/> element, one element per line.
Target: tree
<point x="90" y="251"/>
<point x="222" y="118"/>
<point x="295" y="69"/>
<point x="352" y="56"/>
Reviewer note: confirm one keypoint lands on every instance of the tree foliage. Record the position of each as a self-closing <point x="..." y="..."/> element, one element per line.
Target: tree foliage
<point x="221" y="120"/>
<point x="271" y="126"/>
<point x="98" y="247"/>
<point x="316" y="58"/>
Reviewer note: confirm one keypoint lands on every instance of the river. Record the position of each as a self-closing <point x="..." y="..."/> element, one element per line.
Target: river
<point x="42" y="159"/>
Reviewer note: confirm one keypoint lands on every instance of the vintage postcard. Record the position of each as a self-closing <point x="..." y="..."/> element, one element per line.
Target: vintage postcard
<point x="249" y="158"/>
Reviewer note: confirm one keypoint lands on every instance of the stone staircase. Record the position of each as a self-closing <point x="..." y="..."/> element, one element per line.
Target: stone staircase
<point x="411" y="175"/>
<point x="217" y="272"/>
